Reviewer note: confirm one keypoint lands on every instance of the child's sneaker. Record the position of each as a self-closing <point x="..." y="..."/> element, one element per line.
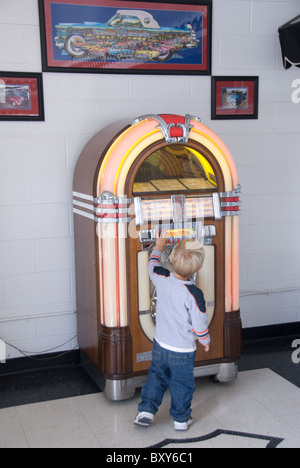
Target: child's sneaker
<point x="144" y="419"/>
<point x="183" y="426"/>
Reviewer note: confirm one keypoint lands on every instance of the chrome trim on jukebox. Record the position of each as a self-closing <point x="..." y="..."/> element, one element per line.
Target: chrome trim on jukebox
<point x="85" y="214"/>
<point x="208" y="232"/>
<point x="186" y="129"/>
<point x="110" y="209"/>
<point x="166" y="128"/>
<point x="83" y="196"/>
<point x="235" y="193"/>
<point x="217" y="206"/>
<point x="231" y="202"/>
<point x="147" y="235"/>
<point x="109" y="198"/>
<point x="83" y="205"/>
<point x="138" y="211"/>
<point x="231" y="213"/>
<point x="90" y="214"/>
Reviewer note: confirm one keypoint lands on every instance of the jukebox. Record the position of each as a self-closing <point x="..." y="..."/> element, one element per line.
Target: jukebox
<point x="161" y="172"/>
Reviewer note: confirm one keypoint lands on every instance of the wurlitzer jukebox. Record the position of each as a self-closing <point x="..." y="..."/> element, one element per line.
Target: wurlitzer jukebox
<point x="165" y="172"/>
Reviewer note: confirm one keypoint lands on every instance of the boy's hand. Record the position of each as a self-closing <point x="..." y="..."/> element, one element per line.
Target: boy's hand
<point x="161" y="242"/>
<point x="206" y="348"/>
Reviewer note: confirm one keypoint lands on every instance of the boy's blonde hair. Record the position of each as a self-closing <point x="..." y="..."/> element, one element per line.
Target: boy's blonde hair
<point x="188" y="257"/>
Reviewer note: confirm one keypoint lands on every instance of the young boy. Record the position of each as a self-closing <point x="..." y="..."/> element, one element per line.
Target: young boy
<point x="180" y="320"/>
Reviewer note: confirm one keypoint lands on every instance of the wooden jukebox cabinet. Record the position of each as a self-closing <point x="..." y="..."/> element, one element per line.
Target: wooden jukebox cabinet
<point x="161" y="172"/>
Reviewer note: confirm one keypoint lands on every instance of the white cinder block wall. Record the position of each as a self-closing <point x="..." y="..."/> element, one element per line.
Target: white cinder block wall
<point x="37" y="292"/>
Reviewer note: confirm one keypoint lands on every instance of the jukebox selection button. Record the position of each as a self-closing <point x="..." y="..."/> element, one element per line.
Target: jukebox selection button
<point x="147" y="235"/>
<point x="208" y="232"/>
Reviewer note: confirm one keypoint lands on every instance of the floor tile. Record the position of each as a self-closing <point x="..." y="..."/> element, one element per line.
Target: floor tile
<point x="77" y="435"/>
<point x="9" y="421"/>
<point x="260" y="409"/>
<point x="14" y="439"/>
<point x="38" y="416"/>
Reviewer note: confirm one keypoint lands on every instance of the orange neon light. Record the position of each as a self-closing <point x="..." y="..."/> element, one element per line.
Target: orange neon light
<point x="126" y="156"/>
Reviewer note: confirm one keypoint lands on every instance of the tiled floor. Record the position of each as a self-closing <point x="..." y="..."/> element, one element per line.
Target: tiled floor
<point x="260" y="409"/>
<point x="62" y="407"/>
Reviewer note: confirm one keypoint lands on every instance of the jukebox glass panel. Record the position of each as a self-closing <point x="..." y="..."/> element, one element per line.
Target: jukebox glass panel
<point x="174" y="168"/>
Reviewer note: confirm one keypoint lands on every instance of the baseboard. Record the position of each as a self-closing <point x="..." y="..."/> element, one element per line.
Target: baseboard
<point x="38" y="362"/>
<point x="270" y="339"/>
<point x="282" y="330"/>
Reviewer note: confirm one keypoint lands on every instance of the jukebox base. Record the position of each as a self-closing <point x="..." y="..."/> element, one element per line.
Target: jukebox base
<point x="124" y="389"/>
<point x="119" y="389"/>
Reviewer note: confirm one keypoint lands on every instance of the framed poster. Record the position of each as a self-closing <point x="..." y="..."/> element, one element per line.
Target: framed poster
<point x="118" y="36"/>
<point x="21" y="96"/>
<point x="234" y="97"/>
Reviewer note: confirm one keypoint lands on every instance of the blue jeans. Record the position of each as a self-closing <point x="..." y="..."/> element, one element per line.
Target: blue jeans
<point x="174" y="370"/>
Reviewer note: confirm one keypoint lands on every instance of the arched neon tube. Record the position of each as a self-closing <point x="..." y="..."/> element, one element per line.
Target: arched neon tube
<point x="112" y="177"/>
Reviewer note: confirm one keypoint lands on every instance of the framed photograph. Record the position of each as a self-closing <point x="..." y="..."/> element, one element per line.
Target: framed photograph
<point x="21" y="96"/>
<point x="234" y="97"/>
<point x="119" y="36"/>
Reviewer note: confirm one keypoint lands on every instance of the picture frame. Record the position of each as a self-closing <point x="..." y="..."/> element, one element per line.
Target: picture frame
<point x="21" y="96"/>
<point x="121" y="36"/>
<point x="234" y="97"/>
